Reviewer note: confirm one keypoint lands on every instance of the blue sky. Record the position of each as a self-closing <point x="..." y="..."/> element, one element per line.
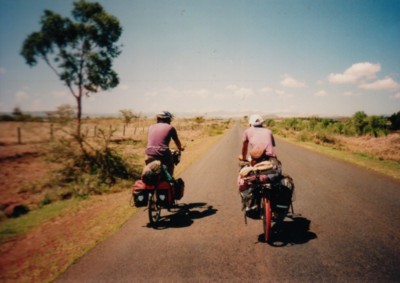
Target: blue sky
<point x="286" y="57"/>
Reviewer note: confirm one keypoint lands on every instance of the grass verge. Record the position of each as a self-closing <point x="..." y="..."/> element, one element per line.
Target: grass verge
<point x="389" y="168"/>
<point x="39" y="246"/>
<point x="15" y="227"/>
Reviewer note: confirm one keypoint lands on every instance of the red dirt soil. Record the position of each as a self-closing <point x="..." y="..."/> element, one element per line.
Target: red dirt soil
<point x="59" y="240"/>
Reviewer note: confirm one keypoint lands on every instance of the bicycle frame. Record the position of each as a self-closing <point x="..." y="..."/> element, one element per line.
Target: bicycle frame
<point x="267" y="197"/>
<point x="261" y="194"/>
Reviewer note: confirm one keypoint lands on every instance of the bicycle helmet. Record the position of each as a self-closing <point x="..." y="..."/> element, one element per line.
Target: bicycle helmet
<point x="164" y="115"/>
<point x="256" y="120"/>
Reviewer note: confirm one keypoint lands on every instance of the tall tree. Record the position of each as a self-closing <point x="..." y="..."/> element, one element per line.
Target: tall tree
<point x="360" y="122"/>
<point x="80" y="51"/>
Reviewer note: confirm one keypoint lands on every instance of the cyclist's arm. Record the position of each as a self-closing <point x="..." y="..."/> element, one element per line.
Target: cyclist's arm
<point x="177" y="140"/>
<point x="244" y="149"/>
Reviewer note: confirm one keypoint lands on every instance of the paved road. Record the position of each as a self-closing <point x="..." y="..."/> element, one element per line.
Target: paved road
<point x="345" y="228"/>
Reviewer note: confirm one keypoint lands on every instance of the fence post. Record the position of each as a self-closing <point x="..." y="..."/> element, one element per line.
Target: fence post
<point x="19" y="135"/>
<point x="51" y="132"/>
<point x="123" y="132"/>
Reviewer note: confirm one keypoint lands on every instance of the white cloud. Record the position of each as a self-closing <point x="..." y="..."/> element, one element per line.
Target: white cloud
<point x="172" y="93"/>
<point x="384" y="84"/>
<point x="355" y="73"/>
<point x="266" y="89"/>
<point x="36" y="105"/>
<point x="60" y="93"/>
<point x="280" y="92"/>
<point x="231" y="87"/>
<point x="349" y="93"/>
<point x="321" y="93"/>
<point x="21" y="96"/>
<point x="240" y="92"/>
<point x="396" y="95"/>
<point x="168" y="92"/>
<point x="289" y="81"/>
<point x="221" y="96"/>
<point x="244" y="93"/>
<point x="123" y="87"/>
<point x="201" y="93"/>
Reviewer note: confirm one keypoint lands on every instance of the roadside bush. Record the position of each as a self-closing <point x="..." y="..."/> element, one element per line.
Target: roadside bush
<point x="215" y="129"/>
<point x="270" y="123"/>
<point x="304" y="136"/>
<point x="324" y="137"/>
<point x="88" y="168"/>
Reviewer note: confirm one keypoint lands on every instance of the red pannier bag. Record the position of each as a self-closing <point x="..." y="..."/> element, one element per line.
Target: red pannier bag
<point x="164" y="193"/>
<point x="140" y="192"/>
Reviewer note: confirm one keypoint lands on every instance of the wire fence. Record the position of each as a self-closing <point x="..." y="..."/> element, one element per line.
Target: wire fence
<point x="12" y="133"/>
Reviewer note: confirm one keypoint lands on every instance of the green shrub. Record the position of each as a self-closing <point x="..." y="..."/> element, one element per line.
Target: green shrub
<point x="87" y="167"/>
<point x="304" y="136"/>
<point x="324" y="137"/>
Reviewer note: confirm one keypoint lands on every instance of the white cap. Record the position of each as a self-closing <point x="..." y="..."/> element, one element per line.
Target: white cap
<point x="256" y="120"/>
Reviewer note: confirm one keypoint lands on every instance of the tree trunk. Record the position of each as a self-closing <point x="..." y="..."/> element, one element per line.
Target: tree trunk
<point x="78" y="117"/>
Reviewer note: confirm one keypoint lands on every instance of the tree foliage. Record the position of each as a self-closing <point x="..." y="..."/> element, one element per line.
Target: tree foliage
<point x="64" y="114"/>
<point x="395" y="121"/>
<point x="128" y="115"/>
<point x="80" y="50"/>
<point x="324" y="129"/>
<point x="360" y="122"/>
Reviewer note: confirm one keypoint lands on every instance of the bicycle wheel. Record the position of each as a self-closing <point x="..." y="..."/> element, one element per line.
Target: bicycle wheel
<point x="154" y="209"/>
<point x="266" y="218"/>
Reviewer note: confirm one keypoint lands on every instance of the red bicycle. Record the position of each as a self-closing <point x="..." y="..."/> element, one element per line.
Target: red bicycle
<point x="265" y="198"/>
<point x="162" y="192"/>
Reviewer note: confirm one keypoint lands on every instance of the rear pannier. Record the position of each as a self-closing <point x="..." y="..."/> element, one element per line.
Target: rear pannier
<point x="179" y="189"/>
<point x="164" y="193"/>
<point x="283" y="193"/>
<point x="140" y="193"/>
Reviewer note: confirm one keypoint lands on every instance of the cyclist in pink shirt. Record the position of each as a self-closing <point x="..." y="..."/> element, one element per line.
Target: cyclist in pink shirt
<point x="159" y="137"/>
<point x="260" y="139"/>
<point x="262" y="147"/>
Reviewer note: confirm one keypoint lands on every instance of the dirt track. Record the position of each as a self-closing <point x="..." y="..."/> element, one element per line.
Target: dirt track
<point x="345" y="228"/>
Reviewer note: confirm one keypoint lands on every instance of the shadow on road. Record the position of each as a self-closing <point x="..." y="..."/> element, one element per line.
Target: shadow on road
<point x="184" y="215"/>
<point x="292" y="230"/>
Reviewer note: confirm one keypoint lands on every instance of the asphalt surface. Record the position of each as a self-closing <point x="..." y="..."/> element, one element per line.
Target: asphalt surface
<point x="345" y="228"/>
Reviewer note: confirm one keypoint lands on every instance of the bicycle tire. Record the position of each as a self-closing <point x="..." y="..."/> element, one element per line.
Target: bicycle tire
<point x="266" y="218"/>
<point x="154" y="209"/>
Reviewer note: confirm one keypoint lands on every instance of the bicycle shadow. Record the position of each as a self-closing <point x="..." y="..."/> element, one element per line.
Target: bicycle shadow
<point x="291" y="230"/>
<point x="184" y="215"/>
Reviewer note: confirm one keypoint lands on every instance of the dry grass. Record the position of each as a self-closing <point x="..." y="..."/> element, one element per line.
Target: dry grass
<point x="381" y="154"/>
<point x="382" y="148"/>
<point x="48" y="249"/>
<point x="24" y="172"/>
